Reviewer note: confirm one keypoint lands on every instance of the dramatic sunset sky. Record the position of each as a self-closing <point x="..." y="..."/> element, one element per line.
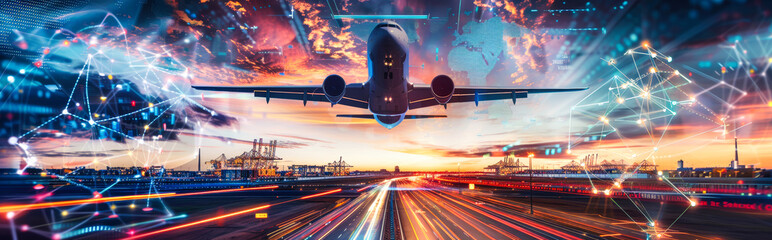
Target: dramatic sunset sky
<point x="716" y="86"/>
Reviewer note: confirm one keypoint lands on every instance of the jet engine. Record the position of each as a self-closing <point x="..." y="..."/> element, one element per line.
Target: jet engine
<point x="334" y="88"/>
<point x="442" y="88"/>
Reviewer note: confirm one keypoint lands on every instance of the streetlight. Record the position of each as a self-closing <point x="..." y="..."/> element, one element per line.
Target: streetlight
<point x="458" y="177"/>
<point x="530" y="170"/>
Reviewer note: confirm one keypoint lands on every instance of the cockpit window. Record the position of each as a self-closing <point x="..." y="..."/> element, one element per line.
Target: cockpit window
<point x="388" y="25"/>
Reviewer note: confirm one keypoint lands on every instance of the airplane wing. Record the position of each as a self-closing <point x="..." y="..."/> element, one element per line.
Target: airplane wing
<point x="408" y="116"/>
<point x="421" y="95"/>
<point x="355" y="95"/>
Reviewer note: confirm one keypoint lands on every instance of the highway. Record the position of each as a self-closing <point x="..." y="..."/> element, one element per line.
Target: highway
<point x="362" y="218"/>
<point x="385" y="207"/>
<point x="445" y="214"/>
<point x="414" y="208"/>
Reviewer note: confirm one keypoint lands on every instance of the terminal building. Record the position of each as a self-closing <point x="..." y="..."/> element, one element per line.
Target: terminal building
<point x="335" y="168"/>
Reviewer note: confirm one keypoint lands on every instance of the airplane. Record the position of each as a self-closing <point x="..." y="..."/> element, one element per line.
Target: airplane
<point x="388" y="94"/>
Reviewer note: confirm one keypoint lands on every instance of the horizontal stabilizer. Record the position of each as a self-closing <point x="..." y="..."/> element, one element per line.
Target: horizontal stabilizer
<point x="424" y="116"/>
<point x="370" y="116"/>
<point x="366" y="116"/>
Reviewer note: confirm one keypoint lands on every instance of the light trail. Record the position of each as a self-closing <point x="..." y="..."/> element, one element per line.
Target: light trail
<point x="443" y="226"/>
<point x="356" y="204"/>
<point x="33" y="206"/>
<point x="228" y="215"/>
<point x="460" y="213"/>
<point x="14" y="208"/>
<point x="321" y="194"/>
<point x="463" y="208"/>
<point x="200" y="222"/>
<point x="362" y="189"/>
<point x="513" y="217"/>
<point x="376" y="213"/>
<point x="563" y="216"/>
<point x="371" y="218"/>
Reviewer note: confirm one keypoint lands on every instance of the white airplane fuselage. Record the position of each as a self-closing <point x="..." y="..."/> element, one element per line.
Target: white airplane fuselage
<point x="387" y="63"/>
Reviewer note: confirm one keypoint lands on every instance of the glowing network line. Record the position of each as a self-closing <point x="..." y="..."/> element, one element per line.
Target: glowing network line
<point x="96" y="50"/>
<point x="642" y="99"/>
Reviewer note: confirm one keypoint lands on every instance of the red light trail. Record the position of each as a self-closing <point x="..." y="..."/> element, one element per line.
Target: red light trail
<point x="321" y="194"/>
<point x="362" y="189"/>
<point x="228" y="215"/>
<point x="200" y="222"/>
<point x="23" y="207"/>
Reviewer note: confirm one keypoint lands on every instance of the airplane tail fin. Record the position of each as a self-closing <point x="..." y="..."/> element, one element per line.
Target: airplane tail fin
<point x="370" y="116"/>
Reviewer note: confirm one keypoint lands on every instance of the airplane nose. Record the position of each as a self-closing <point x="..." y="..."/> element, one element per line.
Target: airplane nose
<point x="389" y="121"/>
